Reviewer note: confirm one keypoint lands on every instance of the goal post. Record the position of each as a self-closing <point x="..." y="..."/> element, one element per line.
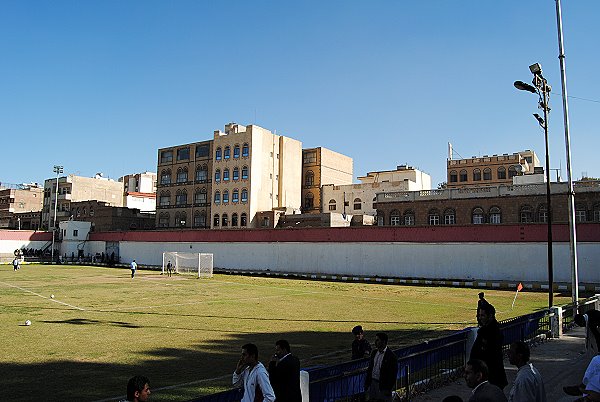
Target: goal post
<point x="198" y="264"/>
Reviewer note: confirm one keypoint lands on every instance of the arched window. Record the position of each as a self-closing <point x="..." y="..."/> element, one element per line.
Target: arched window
<point x="165" y="177"/>
<point x="236" y="151"/>
<point x="218" y="153"/>
<point x="380" y="218"/>
<point x="217" y="197"/>
<point x="234" y="219"/>
<point x="580" y="213"/>
<point x="200" y="219"/>
<point x="200" y="196"/>
<point x="513" y="171"/>
<point x="487" y="174"/>
<point x="476" y="174"/>
<point x="453" y="177"/>
<point x="181" y="197"/>
<point x="542" y="213"/>
<point x="91" y="211"/>
<point x="216" y="220"/>
<point x="501" y="173"/>
<point x="235" y="196"/>
<point x="217" y="175"/>
<point x="245" y="150"/>
<point x="182" y="175"/>
<point x="332" y="205"/>
<point x="224" y="220"/>
<point x="495" y="215"/>
<point x="357" y="204"/>
<point x="434" y="216"/>
<point x="225" y="174"/>
<point x="236" y="173"/>
<point x="84" y="212"/>
<point x="409" y="218"/>
<point x="225" y="197"/>
<point x="309" y="201"/>
<point x="163" y="220"/>
<point x="449" y="216"/>
<point x="243" y="219"/>
<point x="226" y="152"/>
<point x="181" y="221"/>
<point x="309" y="178"/>
<point x="463" y="175"/>
<point x="395" y="218"/>
<point x="244" y="195"/>
<point x="164" y="199"/>
<point x="596" y="213"/>
<point x="201" y="173"/>
<point x="526" y="214"/>
<point x="477" y="216"/>
<point x="245" y="172"/>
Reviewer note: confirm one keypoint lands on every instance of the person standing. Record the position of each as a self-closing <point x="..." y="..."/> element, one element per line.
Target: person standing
<point x="16" y="264"/>
<point x="382" y="371"/>
<point x="252" y="376"/>
<point x="480" y="304"/>
<point x="488" y="346"/>
<point x="169" y="268"/>
<point x="361" y="348"/>
<point x="591" y="321"/>
<point x="476" y="377"/>
<point x="133" y="267"/>
<point x="528" y="385"/>
<point x="284" y="373"/>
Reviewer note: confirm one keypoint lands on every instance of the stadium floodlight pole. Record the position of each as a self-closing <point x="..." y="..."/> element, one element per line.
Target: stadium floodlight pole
<point x="572" y="228"/>
<point x="58" y="170"/>
<point x="542" y="89"/>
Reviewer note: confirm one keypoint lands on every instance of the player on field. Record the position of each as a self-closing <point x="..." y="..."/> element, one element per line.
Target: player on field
<point x="133" y="268"/>
<point x="169" y="268"/>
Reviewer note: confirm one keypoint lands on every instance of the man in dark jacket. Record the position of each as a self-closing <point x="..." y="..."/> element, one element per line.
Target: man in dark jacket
<point x="360" y="346"/>
<point x="488" y="346"/>
<point x="284" y="373"/>
<point x="382" y="371"/>
<point x="591" y="321"/>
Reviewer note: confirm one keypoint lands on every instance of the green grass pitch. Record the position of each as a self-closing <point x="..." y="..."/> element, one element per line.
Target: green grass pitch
<point x="185" y="334"/>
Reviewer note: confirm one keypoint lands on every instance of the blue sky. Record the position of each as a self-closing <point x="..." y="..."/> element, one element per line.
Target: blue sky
<point x="99" y="86"/>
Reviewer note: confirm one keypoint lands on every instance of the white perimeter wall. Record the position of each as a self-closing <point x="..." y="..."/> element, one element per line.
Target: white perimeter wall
<point x="9" y="246"/>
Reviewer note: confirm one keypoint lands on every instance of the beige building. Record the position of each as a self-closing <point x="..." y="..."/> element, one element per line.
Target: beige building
<point x="139" y="191"/>
<point x="491" y="170"/>
<point x="73" y="188"/>
<point x="19" y="205"/>
<point x="254" y="170"/>
<point x="359" y="199"/>
<point x="321" y="166"/>
<point x="184" y="187"/>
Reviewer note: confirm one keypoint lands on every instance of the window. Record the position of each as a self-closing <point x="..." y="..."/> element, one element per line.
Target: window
<point x="75" y="233"/>
<point x="477" y="216"/>
<point x="91" y="211"/>
<point x="182" y="175"/>
<point x="409" y="218"/>
<point x="580" y="213"/>
<point x="495" y="215"/>
<point x="332" y="205"/>
<point x="218" y="153"/>
<point x="380" y="218"/>
<point x="226" y="175"/>
<point x="164" y="199"/>
<point x="217" y="197"/>
<point x="183" y="153"/>
<point x="235" y="196"/>
<point x="226" y="154"/>
<point x="309" y="178"/>
<point x="181" y="219"/>
<point x="234" y="219"/>
<point x="526" y="214"/>
<point x="357" y="204"/>
<point x="165" y="177"/>
<point x="84" y="213"/>
<point x="202" y="152"/>
<point x="476" y="174"/>
<point x="225" y="197"/>
<point x="453" y="177"/>
<point x="216" y="220"/>
<point x="245" y="150"/>
<point x="245" y="172"/>
<point x="501" y="173"/>
<point x="163" y="220"/>
<point x="243" y="219"/>
<point x="200" y="196"/>
<point x="217" y="175"/>
<point x="200" y="219"/>
<point x="265" y="221"/>
<point x="543" y="213"/>
<point x="236" y="173"/>
<point x="166" y="156"/>
<point x="395" y="218"/>
<point x="434" y="217"/>
<point x="449" y="217"/>
<point x="224" y="220"/>
<point x="201" y="174"/>
<point x="244" y="195"/>
<point x="236" y="153"/>
<point x="513" y="171"/>
<point x="487" y="174"/>
<point x="181" y="197"/>
<point x="309" y="201"/>
<point x="463" y="175"/>
<point x="310" y="157"/>
<point x="596" y="214"/>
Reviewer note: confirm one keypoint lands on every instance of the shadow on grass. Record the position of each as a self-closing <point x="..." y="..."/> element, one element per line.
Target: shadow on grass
<point x="175" y="374"/>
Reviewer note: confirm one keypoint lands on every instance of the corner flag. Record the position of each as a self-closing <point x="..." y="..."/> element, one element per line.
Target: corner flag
<point x="519" y="288"/>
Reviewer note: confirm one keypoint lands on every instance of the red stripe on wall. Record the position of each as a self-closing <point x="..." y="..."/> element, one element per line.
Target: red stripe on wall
<point x="25" y="235"/>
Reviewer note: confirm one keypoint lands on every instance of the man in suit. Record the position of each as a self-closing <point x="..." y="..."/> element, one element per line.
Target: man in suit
<point x="284" y="373"/>
<point x="382" y="371"/>
<point x="476" y="377"/>
<point x="488" y="346"/>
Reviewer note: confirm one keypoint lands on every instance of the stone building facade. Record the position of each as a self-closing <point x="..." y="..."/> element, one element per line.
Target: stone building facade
<point x="105" y="217"/>
<point x="20" y="205"/>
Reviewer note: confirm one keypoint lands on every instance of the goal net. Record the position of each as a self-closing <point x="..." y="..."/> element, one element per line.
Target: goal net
<point x="200" y="264"/>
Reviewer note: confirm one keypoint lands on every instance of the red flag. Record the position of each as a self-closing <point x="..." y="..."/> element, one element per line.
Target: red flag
<point x="519" y="287"/>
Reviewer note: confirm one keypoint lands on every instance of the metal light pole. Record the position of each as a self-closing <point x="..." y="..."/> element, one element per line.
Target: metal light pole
<point x="542" y="89"/>
<point x="58" y="170"/>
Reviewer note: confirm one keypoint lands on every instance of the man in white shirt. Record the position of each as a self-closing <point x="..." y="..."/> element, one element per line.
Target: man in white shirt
<point x="528" y="385"/>
<point x="133" y="268"/>
<point x="382" y="371"/>
<point x="252" y="376"/>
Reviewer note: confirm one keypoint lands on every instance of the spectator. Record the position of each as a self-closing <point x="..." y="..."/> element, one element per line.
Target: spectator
<point x="488" y="346"/>
<point x="16" y="263"/>
<point x="252" y="376"/>
<point x="590" y="385"/>
<point x="476" y="377"/>
<point x="284" y="373"/>
<point x="361" y="348"/>
<point x="382" y="371"/>
<point x="138" y="389"/>
<point x="528" y="385"/>
<point x="480" y="304"/>
<point x="591" y="321"/>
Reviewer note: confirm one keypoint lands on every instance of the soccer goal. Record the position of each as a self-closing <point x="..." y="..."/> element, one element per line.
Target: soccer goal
<point x="200" y="264"/>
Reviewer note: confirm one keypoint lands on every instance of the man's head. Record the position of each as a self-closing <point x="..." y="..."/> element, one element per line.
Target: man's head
<point x="138" y="389"/>
<point x="358" y="332"/>
<point x="519" y="353"/>
<point x="481" y="295"/>
<point x="381" y="340"/>
<point x="250" y="354"/>
<point x="579" y="320"/>
<point x="476" y="372"/>
<point x="282" y="348"/>
<point x="487" y="313"/>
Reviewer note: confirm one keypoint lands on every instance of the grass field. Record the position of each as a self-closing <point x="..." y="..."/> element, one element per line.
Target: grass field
<point x="185" y="334"/>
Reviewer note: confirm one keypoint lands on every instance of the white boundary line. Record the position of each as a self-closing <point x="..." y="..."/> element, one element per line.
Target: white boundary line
<point x="42" y="296"/>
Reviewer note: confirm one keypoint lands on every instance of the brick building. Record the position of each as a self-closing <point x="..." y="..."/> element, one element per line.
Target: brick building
<point x="20" y="206"/>
<point x="106" y="217"/>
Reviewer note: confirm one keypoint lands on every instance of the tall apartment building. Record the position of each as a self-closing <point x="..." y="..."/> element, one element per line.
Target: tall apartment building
<point x="184" y="187"/>
<point x="139" y="191"/>
<point x="490" y="170"/>
<point x="321" y="166"/>
<point x="20" y="205"/>
<point x="73" y="188"/>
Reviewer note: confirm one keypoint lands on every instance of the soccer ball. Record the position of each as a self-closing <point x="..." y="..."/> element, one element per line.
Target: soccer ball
<point x="52" y="296"/>
<point x="27" y="322"/>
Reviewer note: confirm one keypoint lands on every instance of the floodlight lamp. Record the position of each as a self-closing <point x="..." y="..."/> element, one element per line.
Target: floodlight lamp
<point x="523" y="86"/>
<point x="535" y="69"/>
